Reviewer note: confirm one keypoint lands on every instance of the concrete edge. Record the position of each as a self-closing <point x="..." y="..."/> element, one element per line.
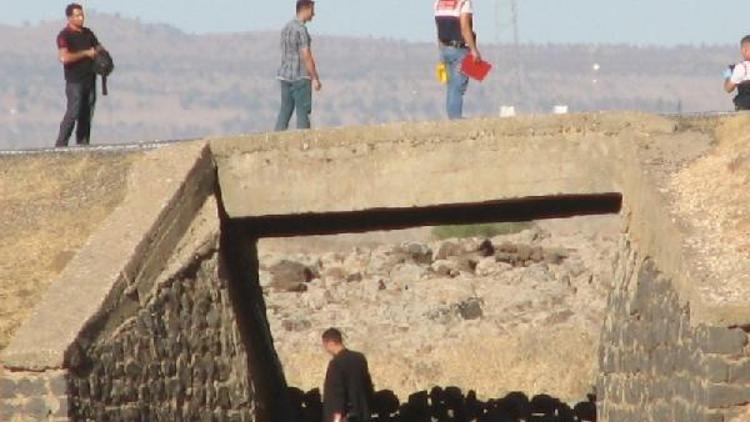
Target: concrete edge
<point x="450" y="131"/>
<point x="117" y="257"/>
<point x="660" y="236"/>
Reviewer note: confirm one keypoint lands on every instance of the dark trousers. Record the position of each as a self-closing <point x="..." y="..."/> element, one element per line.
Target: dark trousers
<point x="297" y="96"/>
<point x="81" y="98"/>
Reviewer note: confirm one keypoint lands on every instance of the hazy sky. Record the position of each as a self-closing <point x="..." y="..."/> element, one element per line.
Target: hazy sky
<point x="664" y="22"/>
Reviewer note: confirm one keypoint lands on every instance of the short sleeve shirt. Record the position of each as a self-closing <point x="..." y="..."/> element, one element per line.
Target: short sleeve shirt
<point x="294" y="37"/>
<point x="77" y="41"/>
<point x="460" y="6"/>
<point x="448" y="18"/>
<point x="741" y="73"/>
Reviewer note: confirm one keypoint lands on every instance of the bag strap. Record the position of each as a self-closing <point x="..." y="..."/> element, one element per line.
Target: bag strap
<point x="104" y="86"/>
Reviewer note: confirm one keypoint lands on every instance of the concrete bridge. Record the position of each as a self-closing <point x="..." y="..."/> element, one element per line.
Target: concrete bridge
<point x="152" y="308"/>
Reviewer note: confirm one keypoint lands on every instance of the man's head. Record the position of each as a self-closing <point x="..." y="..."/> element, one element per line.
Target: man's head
<point x="74" y="12"/>
<point x="305" y="10"/>
<point x="333" y="341"/>
<point x="745" y="47"/>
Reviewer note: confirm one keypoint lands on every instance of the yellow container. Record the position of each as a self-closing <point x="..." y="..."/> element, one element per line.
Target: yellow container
<point x="442" y="73"/>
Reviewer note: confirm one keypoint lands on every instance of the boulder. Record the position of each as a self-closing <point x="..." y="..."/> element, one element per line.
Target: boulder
<point x="317" y="298"/>
<point x="447" y="249"/>
<point x="334" y="273"/>
<point x="354" y="278"/>
<point x="286" y="272"/>
<point x="487" y="266"/>
<point x="486" y="248"/>
<point x="417" y="252"/>
<point x="464" y="263"/>
<point x="470" y="309"/>
<point x="407" y="273"/>
<point x="445" y="268"/>
<point x="555" y="256"/>
<point x="296" y="324"/>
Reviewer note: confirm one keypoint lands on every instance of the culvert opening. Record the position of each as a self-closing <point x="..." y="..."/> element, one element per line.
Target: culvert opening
<point x="280" y="314"/>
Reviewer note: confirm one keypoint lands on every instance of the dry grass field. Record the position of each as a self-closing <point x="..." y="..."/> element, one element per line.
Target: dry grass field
<point x="49" y="206"/>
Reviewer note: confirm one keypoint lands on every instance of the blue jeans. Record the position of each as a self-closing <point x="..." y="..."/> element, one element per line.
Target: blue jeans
<point x="457" y="81"/>
<point x="81" y="98"/>
<point x="297" y="96"/>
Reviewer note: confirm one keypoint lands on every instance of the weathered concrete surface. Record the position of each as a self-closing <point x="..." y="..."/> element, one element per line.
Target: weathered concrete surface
<point x="423" y="164"/>
<point x="165" y="190"/>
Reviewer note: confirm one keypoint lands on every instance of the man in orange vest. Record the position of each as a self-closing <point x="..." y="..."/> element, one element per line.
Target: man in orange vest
<point x="455" y="30"/>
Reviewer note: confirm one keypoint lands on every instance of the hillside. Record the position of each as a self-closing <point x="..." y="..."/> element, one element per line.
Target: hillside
<point x="169" y="84"/>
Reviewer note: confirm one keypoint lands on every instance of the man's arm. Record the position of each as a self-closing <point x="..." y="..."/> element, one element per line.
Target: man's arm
<point x="66" y="57"/>
<point x="729" y="86"/>
<point x="733" y="76"/>
<point x="312" y="70"/>
<point x="368" y="382"/>
<point x="334" y="393"/>
<point x="467" y="31"/>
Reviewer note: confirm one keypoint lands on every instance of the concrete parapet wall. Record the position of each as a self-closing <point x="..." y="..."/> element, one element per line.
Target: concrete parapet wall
<point x="424" y="164"/>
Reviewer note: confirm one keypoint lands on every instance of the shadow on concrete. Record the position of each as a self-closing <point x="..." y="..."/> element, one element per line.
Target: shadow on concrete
<point x="506" y="210"/>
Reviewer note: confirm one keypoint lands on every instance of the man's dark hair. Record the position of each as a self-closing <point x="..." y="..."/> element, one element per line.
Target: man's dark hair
<point x="745" y="39"/>
<point x="333" y="335"/>
<point x="69" y="9"/>
<point x="303" y="4"/>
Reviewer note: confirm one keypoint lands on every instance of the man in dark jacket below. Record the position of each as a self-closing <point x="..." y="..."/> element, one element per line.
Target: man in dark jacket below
<point x="77" y="47"/>
<point x="348" y="390"/>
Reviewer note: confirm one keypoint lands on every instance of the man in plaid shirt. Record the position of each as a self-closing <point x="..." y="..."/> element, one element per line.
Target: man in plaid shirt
<point x="297" y="74"/>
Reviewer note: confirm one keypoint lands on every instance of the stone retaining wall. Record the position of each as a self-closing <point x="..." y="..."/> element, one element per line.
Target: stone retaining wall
<point x="181" y="357"/>
<point x="655" y="365"/>
<point x="33" y="396"/>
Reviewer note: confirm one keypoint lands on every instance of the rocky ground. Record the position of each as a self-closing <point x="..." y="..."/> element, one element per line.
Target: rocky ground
<point x="517" y="312"/>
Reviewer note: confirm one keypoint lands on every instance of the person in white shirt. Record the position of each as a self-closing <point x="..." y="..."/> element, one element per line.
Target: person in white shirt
<point x="456" y="37"/>
<point x="738" y="77"/>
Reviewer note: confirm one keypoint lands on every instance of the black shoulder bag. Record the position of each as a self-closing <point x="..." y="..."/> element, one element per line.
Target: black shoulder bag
<point x="103" y="65"/>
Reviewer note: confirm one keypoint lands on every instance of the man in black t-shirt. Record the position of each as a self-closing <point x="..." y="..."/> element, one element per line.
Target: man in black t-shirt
<point x="348" y="390"/>
<point x="77" y="47"/>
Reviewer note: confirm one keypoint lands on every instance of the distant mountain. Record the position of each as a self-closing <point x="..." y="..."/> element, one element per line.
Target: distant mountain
<point x="169" y="84"/>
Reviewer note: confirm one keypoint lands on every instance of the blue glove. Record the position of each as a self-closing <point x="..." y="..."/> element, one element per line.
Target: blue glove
<point x="727" y="74"/>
